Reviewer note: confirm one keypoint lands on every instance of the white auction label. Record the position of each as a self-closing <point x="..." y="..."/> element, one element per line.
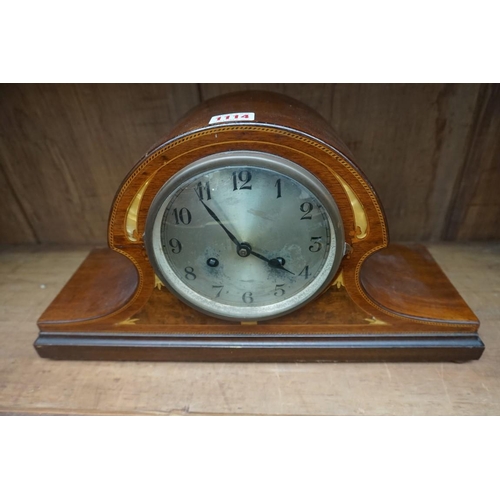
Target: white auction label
<point x="232" y="117"/>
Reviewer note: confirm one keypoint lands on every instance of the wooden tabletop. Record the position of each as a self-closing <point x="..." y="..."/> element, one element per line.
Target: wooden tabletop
<point x="31" y="276"/>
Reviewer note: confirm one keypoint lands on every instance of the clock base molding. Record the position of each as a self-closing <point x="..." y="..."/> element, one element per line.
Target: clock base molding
<point x="407" y="310"/>
<point x="336" y="348"/>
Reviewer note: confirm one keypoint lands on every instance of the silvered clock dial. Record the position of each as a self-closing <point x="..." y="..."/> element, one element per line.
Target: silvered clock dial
<point x="244" y="236"/>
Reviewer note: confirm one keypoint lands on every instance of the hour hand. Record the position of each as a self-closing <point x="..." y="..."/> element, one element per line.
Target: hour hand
<point x="275" y="263"/>
<point x="216" y="219"/>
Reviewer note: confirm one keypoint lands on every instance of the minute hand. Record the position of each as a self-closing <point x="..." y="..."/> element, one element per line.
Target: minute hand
<point x="214" y="216"/>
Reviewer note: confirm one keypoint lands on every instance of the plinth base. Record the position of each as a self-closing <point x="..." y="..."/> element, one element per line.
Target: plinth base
<point x="413" y="313"/>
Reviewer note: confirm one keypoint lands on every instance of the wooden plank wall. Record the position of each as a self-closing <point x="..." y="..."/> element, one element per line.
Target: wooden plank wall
<point x="432" y="151"/>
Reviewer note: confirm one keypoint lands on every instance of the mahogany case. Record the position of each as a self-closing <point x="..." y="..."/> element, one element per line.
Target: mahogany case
<point x="387" y="302"/>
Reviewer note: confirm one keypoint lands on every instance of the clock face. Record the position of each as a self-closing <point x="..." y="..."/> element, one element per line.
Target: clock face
<point x="244" y="236"/>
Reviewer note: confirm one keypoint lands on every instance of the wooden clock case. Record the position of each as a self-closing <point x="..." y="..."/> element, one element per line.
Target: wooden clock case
<point x="386" y="303"/>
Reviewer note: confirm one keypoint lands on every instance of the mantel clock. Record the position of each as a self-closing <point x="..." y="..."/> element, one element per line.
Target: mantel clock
<point x="250" y="234"/>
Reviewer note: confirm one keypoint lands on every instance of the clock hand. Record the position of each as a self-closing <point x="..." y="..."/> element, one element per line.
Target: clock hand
<point x="244" y="249"/>
<point x="272" y="262"/>
<point x="214" y="216"/>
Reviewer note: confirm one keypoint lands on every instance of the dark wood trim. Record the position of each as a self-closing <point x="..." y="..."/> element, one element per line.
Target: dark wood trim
<point x="260" y="348"/>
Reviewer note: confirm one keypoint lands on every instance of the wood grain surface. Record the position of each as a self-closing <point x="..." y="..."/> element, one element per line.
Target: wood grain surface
<point x="475" y="208"/>
<point x="410" y="140"/>
<point x="31" y="276"/>
<point x="66" y="148"/>
<point x="430" y="150"/>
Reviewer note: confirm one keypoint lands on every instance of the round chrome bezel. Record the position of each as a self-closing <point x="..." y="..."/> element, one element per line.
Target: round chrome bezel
<point x="252" y="159"/>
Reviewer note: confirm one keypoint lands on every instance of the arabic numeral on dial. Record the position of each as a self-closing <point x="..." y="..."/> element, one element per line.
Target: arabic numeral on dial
<point x="247" y="297"/>
<point x="189" y="273"/>
<point x="305" y="272"/>
<point x="306" y="208"/>
<point x="203" y="189"/>
<point x="182" y="216"/>
<point x="278" y="291"/>
<point x="243" y="176"/>
<point x="316" y="244"/>
<point x="220" y="287"/>
<point x="278" y="188"/>
<point x="175" y="244"/>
